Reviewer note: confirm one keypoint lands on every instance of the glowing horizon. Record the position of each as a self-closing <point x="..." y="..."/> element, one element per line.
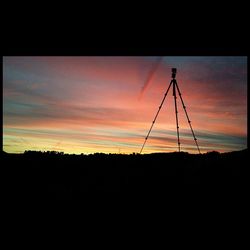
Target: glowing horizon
<point x="107" y="104"/>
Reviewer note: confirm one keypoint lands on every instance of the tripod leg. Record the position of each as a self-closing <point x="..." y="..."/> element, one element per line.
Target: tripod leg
<point x="189" y="122"/>
<point x="156" y="116"/>
<point x="176" y="116"/>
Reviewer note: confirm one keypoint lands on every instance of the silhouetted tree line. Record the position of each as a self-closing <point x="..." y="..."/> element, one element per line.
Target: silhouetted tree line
<point x="34" y="152"/>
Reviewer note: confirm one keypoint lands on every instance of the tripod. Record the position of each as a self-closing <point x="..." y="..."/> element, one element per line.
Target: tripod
<point x="175" y="87"/>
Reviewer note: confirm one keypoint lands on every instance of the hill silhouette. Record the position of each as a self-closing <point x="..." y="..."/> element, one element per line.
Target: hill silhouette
<point x="55" y="175"/>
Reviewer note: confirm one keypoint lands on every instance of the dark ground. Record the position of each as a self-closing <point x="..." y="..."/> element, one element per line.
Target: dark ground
<point x="51" y="176"/>
<point x="174" y="199"/>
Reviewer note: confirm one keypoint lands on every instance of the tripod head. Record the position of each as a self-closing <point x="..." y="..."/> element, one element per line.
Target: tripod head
<point x="174" y="71"/>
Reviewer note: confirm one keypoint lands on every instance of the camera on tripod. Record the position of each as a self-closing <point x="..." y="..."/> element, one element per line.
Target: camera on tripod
<point x="174" y="84"/>
<point x="174" y="71"/>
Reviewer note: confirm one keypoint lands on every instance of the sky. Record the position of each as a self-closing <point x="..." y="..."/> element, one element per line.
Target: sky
<point x="107" y="104"/>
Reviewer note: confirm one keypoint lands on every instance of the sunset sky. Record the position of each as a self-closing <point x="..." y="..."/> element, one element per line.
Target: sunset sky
<point x="107" y="104"/>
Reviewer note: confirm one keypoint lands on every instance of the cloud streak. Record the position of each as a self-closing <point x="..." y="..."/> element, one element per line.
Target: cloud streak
<point x="150" y="76"/>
